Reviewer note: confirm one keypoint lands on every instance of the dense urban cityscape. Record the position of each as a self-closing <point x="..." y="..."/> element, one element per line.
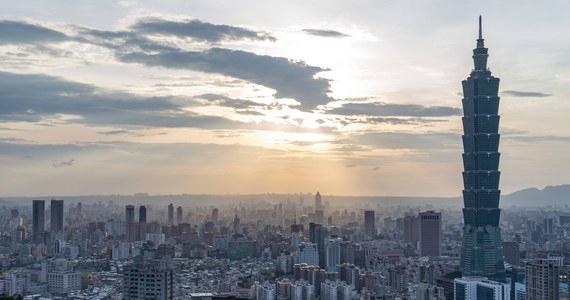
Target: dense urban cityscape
<point x="288" y="248"/>
<point x="302" y="246"/>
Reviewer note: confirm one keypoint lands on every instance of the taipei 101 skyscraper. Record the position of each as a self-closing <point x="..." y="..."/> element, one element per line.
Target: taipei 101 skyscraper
<point x="482" y="250"/>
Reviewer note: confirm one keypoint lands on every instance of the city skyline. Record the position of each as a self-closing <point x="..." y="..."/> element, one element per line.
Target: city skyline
<point x="124" y="97"/>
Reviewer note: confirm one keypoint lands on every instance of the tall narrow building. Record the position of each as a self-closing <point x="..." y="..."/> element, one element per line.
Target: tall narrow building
<point x="369" y="226"/>
<point x="130" y="225"/>
<point x="482" y="250"/>
<point x="170" y="214"/>
<point x="56" y="214"/>
<point x="38" y="219"/>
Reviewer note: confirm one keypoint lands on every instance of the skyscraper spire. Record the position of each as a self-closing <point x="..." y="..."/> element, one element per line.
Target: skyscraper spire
<point x="480" y="43"/>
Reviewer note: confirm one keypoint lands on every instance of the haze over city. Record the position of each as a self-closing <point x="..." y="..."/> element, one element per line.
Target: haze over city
<point x="118" y="97"/>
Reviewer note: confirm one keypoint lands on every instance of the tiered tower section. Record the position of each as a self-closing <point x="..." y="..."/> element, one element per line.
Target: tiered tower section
<point x="482" y="251"/>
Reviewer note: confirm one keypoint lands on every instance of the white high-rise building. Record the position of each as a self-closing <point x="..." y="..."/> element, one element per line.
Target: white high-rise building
<point x="474" y="288"/>
<point x="62" y="278"/>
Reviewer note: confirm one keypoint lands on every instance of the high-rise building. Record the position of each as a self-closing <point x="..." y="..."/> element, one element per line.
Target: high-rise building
<point x="237" y="225"/>
<point x="179" y="215"/>
<point x="542" y="280"/>
<point x="14" y="213"/>
<point x="482" y="248"/>
<point x="142" y="214"/>
<point x="549" y="226"/>
<point x="480" y="288"/>
<point x="170" y="214"/>
<point x="369" y="225"/>
<point x="429" y="229"/>
<point x="215" y="215"/>
<point x="410" y="229"/>
<point x="308" y="254"/>
<point x="129" y="214"/>
<point x="56" y="214"/>
<point x="148" y="279"/>
<point x="38" y="219"/>
<point x="130" y="224"/>
<point x="142" y="223"/>
<point x="512" y="253"/>
<point x="79" y="209"/>
<point x="318" y="201"/>
<point x="332" y="254"/>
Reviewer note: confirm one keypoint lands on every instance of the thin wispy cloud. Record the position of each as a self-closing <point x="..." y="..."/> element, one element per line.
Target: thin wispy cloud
<point x="526" y="94"/>
<point x="199" y="31"/>
<point x="325" y="33"/>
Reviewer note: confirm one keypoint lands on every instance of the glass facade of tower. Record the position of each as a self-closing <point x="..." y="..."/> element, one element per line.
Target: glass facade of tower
<point x="482" y="252"/>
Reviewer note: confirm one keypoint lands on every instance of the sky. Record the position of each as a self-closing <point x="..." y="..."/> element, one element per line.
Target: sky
<point x="344" y="97"/>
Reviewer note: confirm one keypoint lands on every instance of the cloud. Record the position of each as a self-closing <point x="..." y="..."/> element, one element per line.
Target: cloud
<point x="526" y="94"/>
<point x="290" y="79"/>
<point x="325" y="33"/>
<point x="199" y="31"/>
<point x="12" y="32"/>
<point x="397" y="110"/>
<point x="538" y="139"/>
<point x="32" y="98"/>
<point x="226" y="101"/>
<point x="350" y="166"/>
<point x="61" y="164"/>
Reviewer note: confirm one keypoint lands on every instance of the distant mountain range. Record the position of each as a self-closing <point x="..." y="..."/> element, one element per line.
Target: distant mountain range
<point x="549" y="196"/>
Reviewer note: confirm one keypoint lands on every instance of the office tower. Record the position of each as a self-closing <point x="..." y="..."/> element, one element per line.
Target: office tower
<point x="56" y="213"/>
<point x="410" y="229"/>
<point x="321" y="235"/>
<point x="79" y="209"/>
<point x="313" y="232"/>
<point x="512" y="253"/>
<point x="38" y="219"/>
<point x="148" y="279"/>
<point x="129" y="214"/>
<point x="549" y="226"/>
<point x="480" y="288"/>
<point x="179" y="215"/>
<point x="142" y="223"/>
<point x="482" y="248"/>
<point x="542" y="280"/>
<point x="215" y="215"/>
<point x="142" y="214"/>
<point x="170" y="214"/>
<point x="237" y="225"/>
<point x="429" y="229"/>
<point x="332" y="254"/>
<point x="318" y="202"/>
<point x="308" y="254"/>
<point x="369" y="225"/>
<point x="130" y="223"/>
